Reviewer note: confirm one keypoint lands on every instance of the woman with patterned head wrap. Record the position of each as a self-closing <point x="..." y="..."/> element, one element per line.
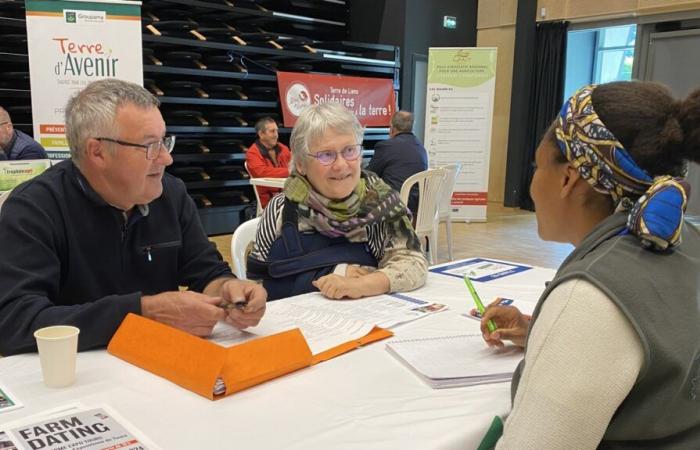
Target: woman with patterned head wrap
<point x="334" y="228"/>
<point x="612" y="350"/>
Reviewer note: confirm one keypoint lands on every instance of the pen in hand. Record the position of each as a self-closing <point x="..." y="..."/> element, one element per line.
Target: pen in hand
<point x="236" y="304"/>
<point x="491" y="325"/>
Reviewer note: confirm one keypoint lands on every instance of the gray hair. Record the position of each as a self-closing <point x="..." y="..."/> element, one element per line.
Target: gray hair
<point x="91" y="112"/>
<point x="262" y="123"/>
<point x="402" y="121"/>
<point x="312" y="125"/>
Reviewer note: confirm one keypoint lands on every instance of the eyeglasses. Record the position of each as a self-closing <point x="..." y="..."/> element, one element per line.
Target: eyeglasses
<point x="328" y="157"/>
<point x="152" y="150"/>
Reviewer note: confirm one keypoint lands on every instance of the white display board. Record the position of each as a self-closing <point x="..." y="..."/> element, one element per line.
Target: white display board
<point x="72" y="43"/>
<point x="458" y="120"/>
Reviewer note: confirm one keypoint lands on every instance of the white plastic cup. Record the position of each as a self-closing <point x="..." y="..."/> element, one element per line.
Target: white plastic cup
<point x="58" y="348"/>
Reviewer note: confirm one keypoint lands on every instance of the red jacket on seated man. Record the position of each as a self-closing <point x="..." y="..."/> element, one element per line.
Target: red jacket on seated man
<point x="267" y="158"/>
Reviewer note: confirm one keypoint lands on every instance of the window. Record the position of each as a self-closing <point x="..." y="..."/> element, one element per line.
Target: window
<point x="614" y="54"/>
<point x="599" y="55"/>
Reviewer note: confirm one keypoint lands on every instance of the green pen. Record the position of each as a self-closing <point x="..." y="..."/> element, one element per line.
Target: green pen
<point x="491" y="325"/>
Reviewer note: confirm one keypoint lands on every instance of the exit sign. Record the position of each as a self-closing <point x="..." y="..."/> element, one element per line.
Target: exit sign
<point x="449" y="22"/>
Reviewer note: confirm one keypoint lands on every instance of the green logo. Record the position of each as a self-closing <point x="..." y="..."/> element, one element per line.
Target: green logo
<point x="70" y="17"/>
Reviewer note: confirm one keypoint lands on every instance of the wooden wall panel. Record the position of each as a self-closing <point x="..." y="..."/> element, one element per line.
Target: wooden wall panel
<point x="554" y="9"/>
<point x="586" y="8"/>
<point x="495" y="13"/>
<point x="660" y="6"/>
<point x="502" y="38"/>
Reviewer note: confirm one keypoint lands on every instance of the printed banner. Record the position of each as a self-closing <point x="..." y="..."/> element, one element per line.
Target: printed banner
<point x="72" y="43"/>
<point x="371" y="99"/>
<point x="458" y="119"/>
<point x="13" y="173"/>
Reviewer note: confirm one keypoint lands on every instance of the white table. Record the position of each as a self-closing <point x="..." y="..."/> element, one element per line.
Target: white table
<point x="363" y="399"/>
<point x="269" y="182"/>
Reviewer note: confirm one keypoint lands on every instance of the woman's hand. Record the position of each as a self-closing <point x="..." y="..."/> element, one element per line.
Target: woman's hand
<point x="511" y="324"/>
<point x="355" y="271"/>
<point x="336" y="286"/>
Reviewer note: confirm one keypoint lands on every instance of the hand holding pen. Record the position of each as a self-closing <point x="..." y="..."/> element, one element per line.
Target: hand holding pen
<point x="244" y="302"/>
<point x="499" y="322"/>
<point x="511" y="324"/>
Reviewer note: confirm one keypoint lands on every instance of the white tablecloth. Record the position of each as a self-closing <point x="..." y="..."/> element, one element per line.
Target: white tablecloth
<point x="363" y="399"/>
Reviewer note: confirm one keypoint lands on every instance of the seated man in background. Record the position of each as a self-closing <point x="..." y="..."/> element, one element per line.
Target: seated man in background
<point x="267" y="157"/>
<point x="17" y="145"/>
<point x="401" y="156"/>
<point x="107" y="233"/>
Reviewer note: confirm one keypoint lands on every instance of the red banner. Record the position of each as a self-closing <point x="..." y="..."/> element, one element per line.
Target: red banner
<point x="371" y="99"/>
<point x="469" y="199"/>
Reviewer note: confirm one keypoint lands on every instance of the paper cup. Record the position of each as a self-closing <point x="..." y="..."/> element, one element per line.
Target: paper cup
<point x="58" y="347"/>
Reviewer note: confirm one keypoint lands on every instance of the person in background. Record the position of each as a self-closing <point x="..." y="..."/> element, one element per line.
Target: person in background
<point x="267" y="157"/>
<point x="15" y="144"/>
<point x="399" y="157"/>
<point x="334" y="228"/>
<point x="108" y="232"/>
<point x="612" y="354"/>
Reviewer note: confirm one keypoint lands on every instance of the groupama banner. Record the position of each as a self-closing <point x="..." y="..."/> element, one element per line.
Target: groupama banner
<point x="72" y="43"/>
<point x="371" y="99"/>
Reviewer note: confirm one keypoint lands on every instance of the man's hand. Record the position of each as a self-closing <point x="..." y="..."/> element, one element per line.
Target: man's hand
<point x="189" y="311"/>
<point x="253" y="294"/>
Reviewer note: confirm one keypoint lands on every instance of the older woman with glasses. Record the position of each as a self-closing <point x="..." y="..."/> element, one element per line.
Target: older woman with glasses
<point x="334" y="228"/>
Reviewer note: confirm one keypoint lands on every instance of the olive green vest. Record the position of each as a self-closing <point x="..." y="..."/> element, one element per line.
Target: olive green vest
<point x="659" y="293"/>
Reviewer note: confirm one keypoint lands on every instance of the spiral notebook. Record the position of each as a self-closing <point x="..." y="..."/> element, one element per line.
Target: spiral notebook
<point x="452" y="361"/>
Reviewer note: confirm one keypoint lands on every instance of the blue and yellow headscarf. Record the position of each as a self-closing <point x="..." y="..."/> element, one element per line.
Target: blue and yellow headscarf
<point x="656" y="218"/>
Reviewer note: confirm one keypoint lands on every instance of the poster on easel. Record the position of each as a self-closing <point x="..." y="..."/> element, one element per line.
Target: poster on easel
<point x="458" y="120"/>
<point x="72" y="43"/>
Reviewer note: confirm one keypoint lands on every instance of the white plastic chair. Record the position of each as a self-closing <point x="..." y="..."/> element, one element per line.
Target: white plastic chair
<point x="259" y="209"/>
<point x="445" y="209"/>
<point x="242" y="237"/>
<point x="430" y="185"/>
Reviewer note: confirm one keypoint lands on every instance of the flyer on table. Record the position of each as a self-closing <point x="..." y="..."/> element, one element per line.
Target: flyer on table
<point x="8" y="401"/>
<point x="74" y="427"/>
<point x="72" y="43"/>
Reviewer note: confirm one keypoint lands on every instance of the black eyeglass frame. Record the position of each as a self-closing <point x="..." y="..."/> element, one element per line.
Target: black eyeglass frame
<point x="168" y="142"/>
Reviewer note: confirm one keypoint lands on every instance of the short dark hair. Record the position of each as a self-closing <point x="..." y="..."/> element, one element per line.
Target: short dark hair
<point x="402" y="121"/>
<point x="261" y="123"/>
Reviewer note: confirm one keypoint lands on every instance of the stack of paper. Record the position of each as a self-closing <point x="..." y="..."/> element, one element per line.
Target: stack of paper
<point x="451" y="361"/>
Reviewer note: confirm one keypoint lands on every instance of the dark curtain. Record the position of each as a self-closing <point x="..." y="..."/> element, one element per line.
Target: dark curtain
<point x="546" y="94"/>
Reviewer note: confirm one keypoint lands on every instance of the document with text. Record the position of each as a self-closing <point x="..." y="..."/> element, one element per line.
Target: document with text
<point x="326" y="323"/>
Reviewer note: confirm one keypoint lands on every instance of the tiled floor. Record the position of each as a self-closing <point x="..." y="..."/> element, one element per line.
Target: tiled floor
<point x="509" y="234"/>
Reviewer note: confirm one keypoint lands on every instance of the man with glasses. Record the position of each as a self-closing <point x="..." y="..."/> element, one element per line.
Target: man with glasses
<point x="15" y="144"/>
<point x="107" y="233"/>
<point x="399" y="157"/>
